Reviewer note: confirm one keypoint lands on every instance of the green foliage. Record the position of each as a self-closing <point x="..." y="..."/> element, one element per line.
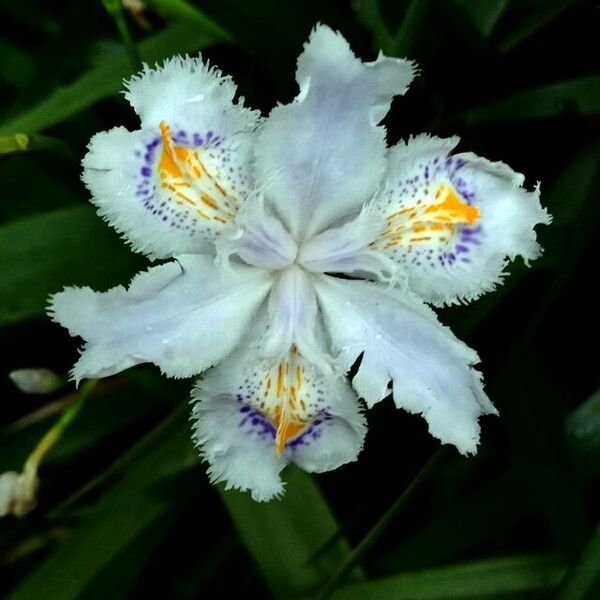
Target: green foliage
<point x="126" y="510"/>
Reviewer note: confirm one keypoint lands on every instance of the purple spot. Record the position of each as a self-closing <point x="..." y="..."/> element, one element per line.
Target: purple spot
<point x="461" y="248"/>
<point x="146" y="172"/>
<point x="244" y="409"/>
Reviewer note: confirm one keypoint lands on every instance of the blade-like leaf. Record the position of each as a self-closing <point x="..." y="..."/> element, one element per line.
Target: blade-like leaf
<point x="41" y="254"/>
<point x="284" y="536"/>
<point x="187" y="13"/>
<point x="107" y="79"/>
<point x="533" y="16"/>
<point x="16" y="65"/>
<point x="578" y="96"/>
<point x="129" y="508"/>
<point x="583" y="577"/>
<point x="470" y="580"/>
<point x="583" y="432"/>
<point x="484" y="13"/>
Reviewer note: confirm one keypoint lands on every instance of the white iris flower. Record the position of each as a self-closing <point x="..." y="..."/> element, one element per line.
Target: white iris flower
<point x="298" y="244"/>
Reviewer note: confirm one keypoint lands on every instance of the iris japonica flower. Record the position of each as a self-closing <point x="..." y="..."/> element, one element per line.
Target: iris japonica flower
<point x="295" y="245"/>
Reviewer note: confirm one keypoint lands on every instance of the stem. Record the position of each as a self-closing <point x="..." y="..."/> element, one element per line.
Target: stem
<point x="22" y="142"/>
<point x="375" y="532"/>
<point x="54" y="433"/>
<point x="115" y="10"/>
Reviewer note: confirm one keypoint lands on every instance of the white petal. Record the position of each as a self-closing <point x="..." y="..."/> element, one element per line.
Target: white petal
<point x="452" y="222"/>
<point x="293" y="319"/>
<point x="236" y="442"/>
<point x="261" y="240"/>
<point x="347" y="249"/>
<point x="175" y="185"/>
<point x="403" y="342"/>
<point x="336" y="438"/>
<point x="321" y="157"/>
<point x="255" y="416"/>
<point x="183" y="316"/>
<point x="189" y="92"/>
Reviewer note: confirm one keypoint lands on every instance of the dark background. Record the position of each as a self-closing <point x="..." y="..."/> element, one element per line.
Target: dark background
<point x="125" y="508"/>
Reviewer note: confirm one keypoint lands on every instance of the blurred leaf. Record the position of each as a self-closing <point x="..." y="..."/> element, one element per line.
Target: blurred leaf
<point x="479" y="579"/>
<point x="410" y="28"/>
<point x="129" y="508"/>
<point x="380" y="527"/>
<point x="114" y="405"/>
<point x="583" y="577"/>
<point x="402" y="42"/>
<point x="578" y="96"/>
<point x="573" y="187"/>
<point x="16" y="65"/>
<point x="187" y="13"/>
<point x="117" y="12"/>
<point x="42" y="254"/>
<point x="369" y="14"/>
<point x="284" y="535"/>
<point x="484" y="13"/>
<point x="583" y="432"/>
<point x="531" y="16"/>
<point x="460" y="524"/>
<point x="106" y="79"/>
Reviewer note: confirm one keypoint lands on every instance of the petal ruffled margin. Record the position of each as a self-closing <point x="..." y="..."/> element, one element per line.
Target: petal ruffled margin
<point x="253" y="417"/>
<point x="183" y="316"/>
<point x="319" y="158"/>
<point x="174" y="186"/>
<point x="402" y="342"/>
<point x="452" y="223"/>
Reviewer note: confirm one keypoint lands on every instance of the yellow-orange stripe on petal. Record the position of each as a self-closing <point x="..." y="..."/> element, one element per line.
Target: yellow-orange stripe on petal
<point x="431" y="222"/>
<point x="186" y="179"/>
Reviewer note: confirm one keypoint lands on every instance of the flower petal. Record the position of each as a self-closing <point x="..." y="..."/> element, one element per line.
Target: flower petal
<point x="293" y="319"/>
<point x="402" y="342"/>
<point x="348" y="249"/>
<point x="321" y="157"/>
<point x="238" y="446"/>
<point x="189" y="92"/>
<point x="183" y="316"/>
<point x="260" y="240"/>
<point x="252" y="417"/>
<point x="174" y="186"/>
<point x="452" y="222"/>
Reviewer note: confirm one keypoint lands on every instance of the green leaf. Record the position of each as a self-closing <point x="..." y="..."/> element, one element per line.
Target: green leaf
<point x="460" y="524"/>
<point x="573" y="187"/>
<point x="583" y="577"/>
<point x="187" y="13"/>
<point x="42" y="254"/>
<point x="128" y="509"/>
<point x="402" y="42"/>
<point x="284" y="536"/>
<point x="16" y="66"/>
<point x="578" y="96"/>
<point x="484" y="14"/>
<point x="410" y="29"/>
<point x="478" y="579"/>
<point x="107" y="79"/>
<point x="533" y="16"/>
<point x="370" y="15"/>
<point x="583" y="431"/>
